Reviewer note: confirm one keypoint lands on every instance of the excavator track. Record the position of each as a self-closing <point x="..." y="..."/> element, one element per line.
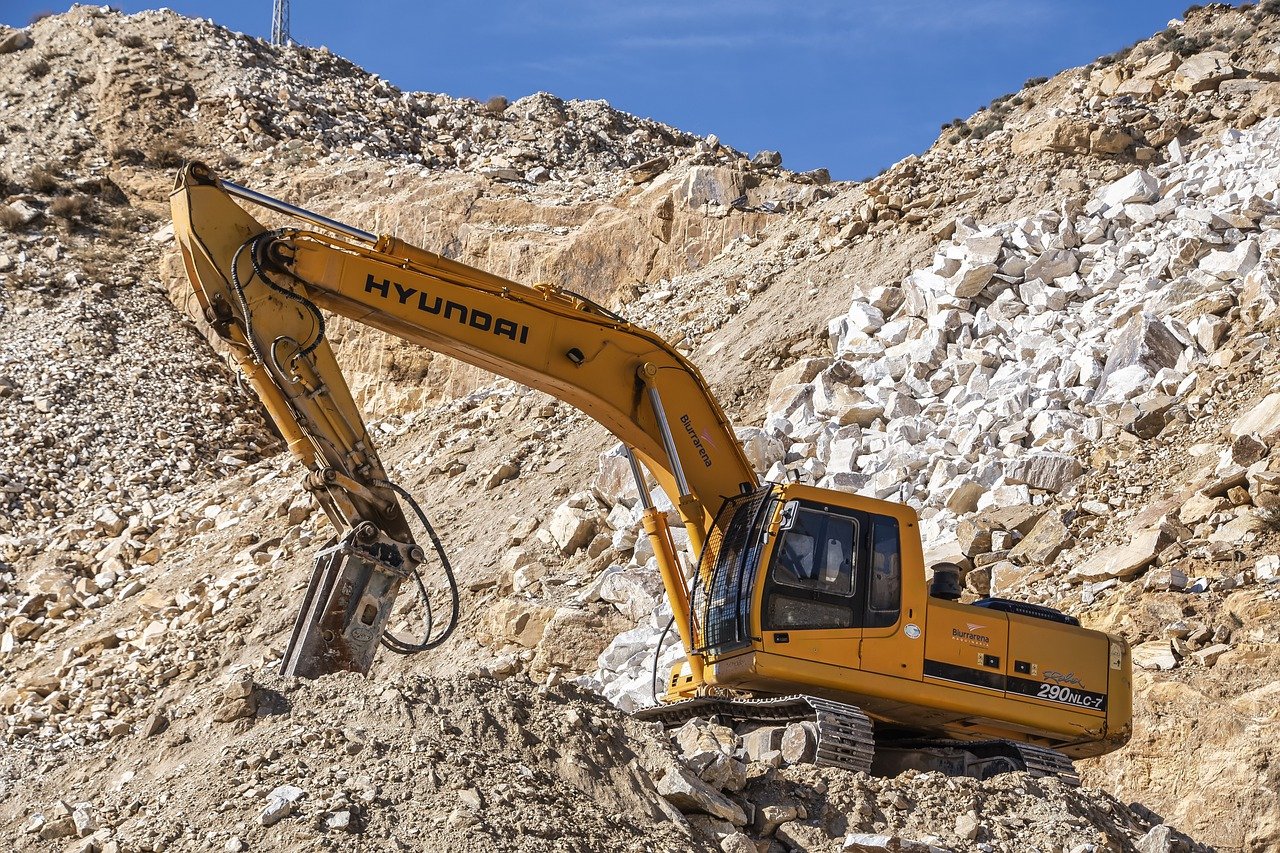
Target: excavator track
<point x="1038" y="761"/>
<point x="846" y="738"/>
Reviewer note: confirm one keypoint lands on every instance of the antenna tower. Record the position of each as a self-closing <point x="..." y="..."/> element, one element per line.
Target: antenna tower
<point x="280" y="23"/>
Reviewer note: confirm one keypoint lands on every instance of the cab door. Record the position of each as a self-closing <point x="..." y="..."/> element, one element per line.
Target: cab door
<point x="892" y="619"/>
<point x="811" y="594"/>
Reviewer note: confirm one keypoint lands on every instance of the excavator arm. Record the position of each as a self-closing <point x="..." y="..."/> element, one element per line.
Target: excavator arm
<point x="265" y="293"/>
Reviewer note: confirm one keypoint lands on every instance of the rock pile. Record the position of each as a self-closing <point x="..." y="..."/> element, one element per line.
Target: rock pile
<point x="477" y="765"/>
<point x="980" y="382"/>
<point x="295" y="104"/>
<point x="108" y="401"/>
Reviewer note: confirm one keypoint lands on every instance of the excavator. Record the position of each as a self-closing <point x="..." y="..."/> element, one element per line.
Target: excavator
<point x="803" y="606"/>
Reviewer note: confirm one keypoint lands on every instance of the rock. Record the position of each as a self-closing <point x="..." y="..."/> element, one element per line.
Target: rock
<point x="514" y="621"/>
<point x="58" y="827"/>
<point x="804" y="837"/>
<point x="761" y="449"/>
<point x="1209" y="655"/>
<point x="770" y="817"/>
<point x="570" y="529"/>
<point x="504" y="472"/>
<point x="1169" y="578"/>
<point x="1044" y="543"/>
<point x="572" y="641"/>
<point x="967" y="826"/>
<point x="972" y="279"/>
<point x="1123" y="561"/>
<point x="1020" y="518"/>
<point x="648" y="170"/>
<point x="1202" y="72"/>
<point x="684" y="790"/>
<point x="1052" y="264"/>
<point x="1198" y="507"/>
<point x="25" y="213"/>
<point x="14" y="41"/>
<point x="108" y="522"/>
<point x="710" y="185"/>
<point x="1138" y="187"/>
<point x="1234" y="264"/>
<point x="1246" y="450"/>
<point x="1164" y="839"/>
<point x="964" y="496"/>
<point x="719" y="770"/>
<point x="83" y="818"/>
<point x="799" y="743"/>
<point x="1154" y="654"/>
<point x="1113" y="140"/>
<point x="767" y="158"/>
<point x="1050" y="472"/>
<point x="758" y="742"/>
<point x="974" y="538"/>
<point x="231" y="710"/>
<point x="1144" y="342"/>
<point x="737" y="843"/>
<point x="629" y="592"/>
<point x="281" y="802"/>
<point x="239" y="685"/>
<point x="797" y="373"/>
<point x="1064" y="134"/>
<point x="1262" y="421"/>
<point x="698" y="735"/>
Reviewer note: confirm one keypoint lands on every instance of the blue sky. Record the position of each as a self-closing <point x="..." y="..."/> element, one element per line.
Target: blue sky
<point x="853" y="86"/>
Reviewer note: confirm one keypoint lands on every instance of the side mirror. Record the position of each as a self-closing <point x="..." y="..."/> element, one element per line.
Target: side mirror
<point x="790" y="512"/>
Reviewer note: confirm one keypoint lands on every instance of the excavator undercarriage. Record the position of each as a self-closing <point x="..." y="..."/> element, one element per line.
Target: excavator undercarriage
<point x="841" y="735"/>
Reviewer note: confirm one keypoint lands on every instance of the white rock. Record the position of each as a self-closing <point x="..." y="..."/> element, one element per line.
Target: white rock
<point x="1139" y="186"/>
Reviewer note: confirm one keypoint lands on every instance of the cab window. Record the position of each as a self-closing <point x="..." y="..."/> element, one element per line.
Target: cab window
<point x="884" y="599"/>
<point x="812" y="577"/>
<point x="817" y="553"/>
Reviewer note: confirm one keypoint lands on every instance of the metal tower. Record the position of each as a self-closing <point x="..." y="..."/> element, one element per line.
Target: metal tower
<point x="280" y="23"/>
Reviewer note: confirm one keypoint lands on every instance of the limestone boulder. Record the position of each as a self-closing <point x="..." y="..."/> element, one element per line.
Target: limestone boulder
<point x="1050" y="472"/>
<point x="1124" y="561"/>
<point x="1044" y="543"/>
<point x="514" y="621"/>
<point x="711" y="185"/>
<point x="573" y="640"/>
<point x="688" y="793"/>
<point x="1262" y="421"/>
<point x="1064" y="134"/>
<point x="1144" y="342"/>
<point x="571" y="528"/>
<point x="1202" y="72"/>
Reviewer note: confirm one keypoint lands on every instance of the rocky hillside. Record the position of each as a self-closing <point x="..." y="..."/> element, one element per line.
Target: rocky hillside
<point x="1053" y="333"/>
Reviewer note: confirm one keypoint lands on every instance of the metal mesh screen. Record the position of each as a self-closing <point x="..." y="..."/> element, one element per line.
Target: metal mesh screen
<point x="721" y="600"/>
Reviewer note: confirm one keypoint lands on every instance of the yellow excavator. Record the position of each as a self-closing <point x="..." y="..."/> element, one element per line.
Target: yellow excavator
<point x="805" y="605"/>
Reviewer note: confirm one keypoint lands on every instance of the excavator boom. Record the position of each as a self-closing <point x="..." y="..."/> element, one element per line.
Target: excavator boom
<point x="264" y="292"/>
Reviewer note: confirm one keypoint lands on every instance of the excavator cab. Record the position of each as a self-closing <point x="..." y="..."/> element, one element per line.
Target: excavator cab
<point x="797" y="565"/>
<point x="812" y="591"/>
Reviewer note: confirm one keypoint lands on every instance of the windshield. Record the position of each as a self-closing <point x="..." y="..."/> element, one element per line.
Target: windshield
<point x="817" y="553"/>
